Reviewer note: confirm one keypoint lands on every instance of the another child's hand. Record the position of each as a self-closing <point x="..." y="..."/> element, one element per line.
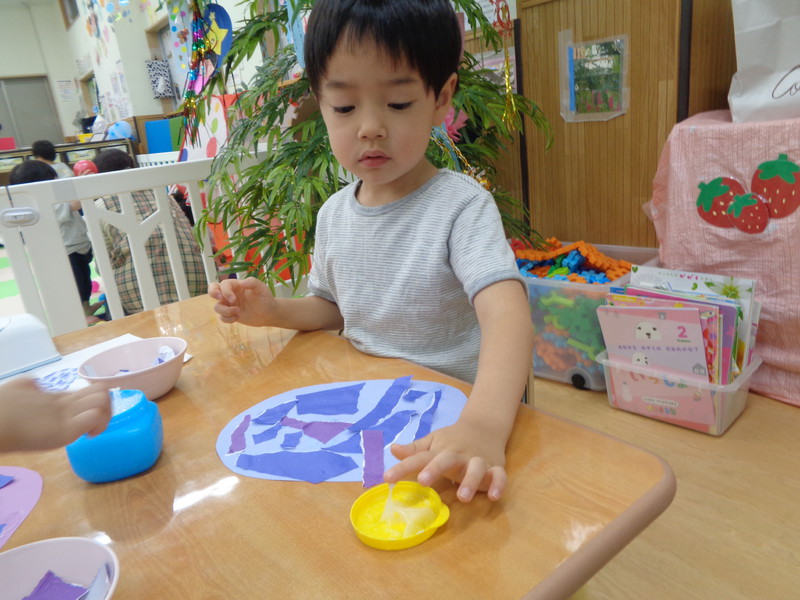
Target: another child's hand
<point x="246" y="301"/>
<point x="33" y="419"/>
<point x="461" y="452"/>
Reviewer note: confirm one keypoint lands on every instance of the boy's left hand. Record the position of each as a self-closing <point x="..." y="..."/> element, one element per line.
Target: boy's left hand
<point x="460" y="452"/>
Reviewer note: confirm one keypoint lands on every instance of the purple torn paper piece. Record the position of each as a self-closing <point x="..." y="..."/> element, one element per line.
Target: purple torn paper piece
<point x="52" y="587"/>
<point x="335" y="401"/>
<point x="5" y="480"/>
<point x="238" y="442"/>
<point x="314" y="467"/>
<point x="291" y="440"/>
<point x="352" y="445"/>
<point x="372" y="444"/>
<point x="426" y="419"/>
<point x="267" y="434"/>
<point x="274" y="414"/>
<point x="385" y="405"/>
<point x="324" y="431"/>
<point x="58" y="381"/>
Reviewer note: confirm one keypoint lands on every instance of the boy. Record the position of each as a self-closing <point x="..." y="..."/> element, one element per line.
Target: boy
<point x="73" y="229"/>
<point x="45" y="151"/>
<point x="410" y="261"/>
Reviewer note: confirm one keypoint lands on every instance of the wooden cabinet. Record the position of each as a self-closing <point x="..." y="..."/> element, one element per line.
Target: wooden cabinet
<point x="592" y="183"/>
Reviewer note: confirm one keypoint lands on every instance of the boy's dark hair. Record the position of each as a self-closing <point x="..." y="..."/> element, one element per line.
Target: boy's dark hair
<point x="424" y="33"/>
<point x="43" y="149"/>
<point x="113" y="160"/>
<point x="31" y="171"/>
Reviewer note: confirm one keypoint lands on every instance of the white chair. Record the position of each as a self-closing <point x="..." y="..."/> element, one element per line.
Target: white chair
<point x="38" y="258"/>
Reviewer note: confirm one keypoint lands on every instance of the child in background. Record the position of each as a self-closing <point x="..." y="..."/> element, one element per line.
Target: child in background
<point x="410" y="261"/>
<point x="45" y="151"/>
<point x="33" y="419"/>
<point x="73" y="230"/>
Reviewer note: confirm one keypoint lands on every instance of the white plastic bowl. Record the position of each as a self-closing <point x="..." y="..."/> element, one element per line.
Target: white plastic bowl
<point x="137" y="358"/>
<point x="75" y="560"/>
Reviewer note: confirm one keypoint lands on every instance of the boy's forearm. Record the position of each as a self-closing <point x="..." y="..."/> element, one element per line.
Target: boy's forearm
<point x="308" y="313"/>
<point x="505" y="358"/>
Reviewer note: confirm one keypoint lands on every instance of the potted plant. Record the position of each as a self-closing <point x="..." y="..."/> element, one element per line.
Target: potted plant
<point x="271" y="178"/>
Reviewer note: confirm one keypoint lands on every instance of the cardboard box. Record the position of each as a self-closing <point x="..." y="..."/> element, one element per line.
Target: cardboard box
<point x="702" y="406"/>
<point x="567" y="335"/>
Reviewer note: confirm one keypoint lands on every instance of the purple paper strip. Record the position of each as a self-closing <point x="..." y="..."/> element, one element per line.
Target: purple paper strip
<point x="426" y="420"/>
<point x="385" y="405"/>
<point x="274" y="414"/>
<point x="324" y="431"/>
<point x="314" y="467"/>
<point x="52" y="587"/>
<point x="336" y="401"/>
<point x="238" y="442"/>
<point x="372" y="443"/>
<point x="267" y="434"/>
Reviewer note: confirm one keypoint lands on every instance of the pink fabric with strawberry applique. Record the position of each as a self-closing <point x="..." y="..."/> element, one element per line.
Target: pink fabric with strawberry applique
<point x="726" y="200"/>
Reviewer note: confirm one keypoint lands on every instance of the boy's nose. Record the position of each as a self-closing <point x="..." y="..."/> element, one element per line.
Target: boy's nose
<point x="371" y="127"/>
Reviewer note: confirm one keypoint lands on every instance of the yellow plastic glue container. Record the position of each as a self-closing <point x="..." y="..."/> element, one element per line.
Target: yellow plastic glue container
<point x="398" y="516"/>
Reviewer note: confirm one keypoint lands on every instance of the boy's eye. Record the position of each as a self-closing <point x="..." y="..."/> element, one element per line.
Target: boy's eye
<point x="343" y="110"/>
<point x="400" y="106"/>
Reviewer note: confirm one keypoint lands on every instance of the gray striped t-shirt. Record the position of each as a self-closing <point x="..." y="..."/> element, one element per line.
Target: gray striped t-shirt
<point x="404" y="274"/>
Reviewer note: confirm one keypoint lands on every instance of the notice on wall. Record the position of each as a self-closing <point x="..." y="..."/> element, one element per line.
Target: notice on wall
<point x="65" y="90"/>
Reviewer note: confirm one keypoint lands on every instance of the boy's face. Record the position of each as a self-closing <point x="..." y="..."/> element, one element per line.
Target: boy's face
<point x="379" y="118"/>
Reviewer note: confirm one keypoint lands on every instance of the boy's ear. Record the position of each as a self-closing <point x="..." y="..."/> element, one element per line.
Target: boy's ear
<point x="445" y="97"/>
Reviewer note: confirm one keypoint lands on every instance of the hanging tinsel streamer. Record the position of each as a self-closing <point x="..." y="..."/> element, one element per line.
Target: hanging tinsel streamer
<point x="505" y="27"/>
<point x="197" y="76"/>
<point x="442" y="139"/>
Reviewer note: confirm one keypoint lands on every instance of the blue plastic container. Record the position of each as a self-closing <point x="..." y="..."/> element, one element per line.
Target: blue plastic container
<point x="130" y="444"/>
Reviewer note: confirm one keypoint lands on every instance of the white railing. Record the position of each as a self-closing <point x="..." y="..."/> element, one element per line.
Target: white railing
<point x="38" y="257"/>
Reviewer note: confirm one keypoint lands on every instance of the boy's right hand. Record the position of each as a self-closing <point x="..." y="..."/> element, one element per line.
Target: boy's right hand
<point x="246" y="301"/>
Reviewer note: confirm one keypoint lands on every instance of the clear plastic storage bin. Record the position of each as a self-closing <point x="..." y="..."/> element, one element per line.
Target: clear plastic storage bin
<point x="567" y="335"/>
<point x="701" y="406"/>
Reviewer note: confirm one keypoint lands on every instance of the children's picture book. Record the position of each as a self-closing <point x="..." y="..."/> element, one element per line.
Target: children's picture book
<point x="728" y="314"/>
<point x="666" y="340"/>
<point x="709" y="321"/>
<point x="739" y="289"/>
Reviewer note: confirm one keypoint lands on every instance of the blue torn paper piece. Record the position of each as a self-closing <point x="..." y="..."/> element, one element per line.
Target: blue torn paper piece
<point x="274" y="414"/>
<point x="5" y="480"/>
<point x="291" y="440"/>
<point x="385" y="405"/>
<point x="426" y="420"/>
<point x="334" y="401"/>
<point x="392" y="425"/>
<point x="314" y="467"/>
<point x="351" y="445"/>
<point x="394" y="407"/>
<point x="267" y="434"/>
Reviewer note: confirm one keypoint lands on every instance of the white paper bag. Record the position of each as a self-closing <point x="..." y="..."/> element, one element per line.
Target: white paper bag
<point x="766" y="86"/>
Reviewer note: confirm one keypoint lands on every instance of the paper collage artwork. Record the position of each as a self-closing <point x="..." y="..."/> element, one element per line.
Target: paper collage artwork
<point x="336" y="432"/>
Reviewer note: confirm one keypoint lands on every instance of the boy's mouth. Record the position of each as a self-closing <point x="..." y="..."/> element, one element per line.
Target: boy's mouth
<point x="373" y="158"/>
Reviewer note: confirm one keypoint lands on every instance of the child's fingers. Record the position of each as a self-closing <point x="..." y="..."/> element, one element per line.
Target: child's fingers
<point x="498" y="480"/>
<point x="406" y="467"/>
<point x="473" y="476"/>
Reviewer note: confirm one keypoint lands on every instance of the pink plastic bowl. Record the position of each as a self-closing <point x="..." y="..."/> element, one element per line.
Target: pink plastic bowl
<point x="137" y="358"/>
<point x="75" y="560"/>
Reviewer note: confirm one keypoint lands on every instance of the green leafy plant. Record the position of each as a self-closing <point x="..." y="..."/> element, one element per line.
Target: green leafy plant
<point x="270" y="180"/>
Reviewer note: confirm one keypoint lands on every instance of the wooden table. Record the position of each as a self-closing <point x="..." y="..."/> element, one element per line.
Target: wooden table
<point x="190" y="528"/>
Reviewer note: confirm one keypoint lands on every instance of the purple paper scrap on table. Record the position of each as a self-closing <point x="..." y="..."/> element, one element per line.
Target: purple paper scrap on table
<point x="333" y="401"/>
<point x="314" y="467"/>
<point x="372" y="444"/>
<point x="52" y="587"/>
<point x="238" y="441"/>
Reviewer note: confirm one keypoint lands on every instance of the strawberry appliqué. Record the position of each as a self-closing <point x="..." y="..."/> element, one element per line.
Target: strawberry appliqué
<point x="778" y="183"/>
<point x="749" y="213"/>
<point x="715" y="198"/>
